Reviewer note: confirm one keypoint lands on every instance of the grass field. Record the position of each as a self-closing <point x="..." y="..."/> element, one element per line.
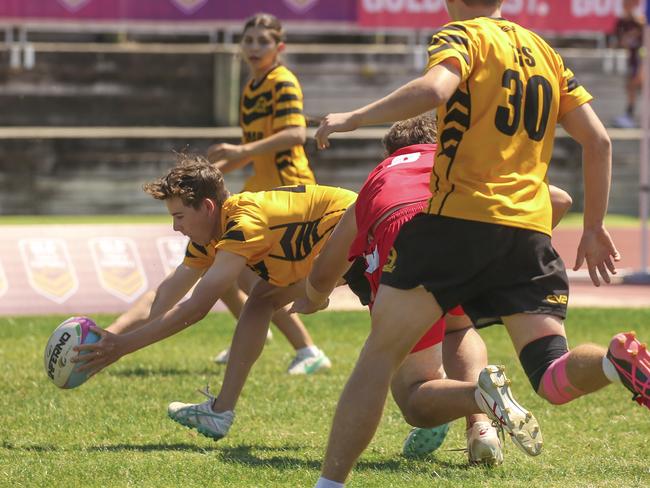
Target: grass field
<point x="113" y="431"/>
<point x="571" y="220"/>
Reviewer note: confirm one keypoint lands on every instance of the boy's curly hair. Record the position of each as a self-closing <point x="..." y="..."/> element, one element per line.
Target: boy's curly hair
<point x="417" y="130"/>
<point x="192" y="180"/>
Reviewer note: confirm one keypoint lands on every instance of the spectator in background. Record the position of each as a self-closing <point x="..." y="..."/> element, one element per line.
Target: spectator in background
<point x="628" y="34"/>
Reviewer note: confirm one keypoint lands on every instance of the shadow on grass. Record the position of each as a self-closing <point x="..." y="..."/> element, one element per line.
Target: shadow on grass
<point x="29" y="447"/>
<point x="245" y="454"/>
<point x="109" y="448"/>
<point x="147" y="372"/>
<point x="149" y="448"/>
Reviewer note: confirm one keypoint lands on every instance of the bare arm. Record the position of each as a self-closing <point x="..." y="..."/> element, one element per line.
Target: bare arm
<point x="156" y="302"/>
<point x="418" y="96"/>
<point x="330" y="265"/>
<point x="216" y="281"/>
<point x="561" y="202"/>
<point x="596" y="245"/>
<point x="228" y="157"/>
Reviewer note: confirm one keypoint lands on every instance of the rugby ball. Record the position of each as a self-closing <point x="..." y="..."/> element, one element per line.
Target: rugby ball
<point x="58" y="352"/>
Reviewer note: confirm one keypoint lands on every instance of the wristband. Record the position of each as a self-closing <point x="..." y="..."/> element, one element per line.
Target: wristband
<point x="315" y="296"/>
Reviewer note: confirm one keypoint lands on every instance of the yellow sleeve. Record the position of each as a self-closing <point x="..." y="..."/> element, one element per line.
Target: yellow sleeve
<point x="197" y="256"/>
<point x="451" y="41"/>
<point x="288" y="104"/>
<point x="572" y="93"/>
<point x="246" y="231"/>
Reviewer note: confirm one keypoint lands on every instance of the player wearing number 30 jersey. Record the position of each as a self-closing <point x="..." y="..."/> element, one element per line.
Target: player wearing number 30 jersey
<point x="499" y="90"/>
<point x="483" y="172"/>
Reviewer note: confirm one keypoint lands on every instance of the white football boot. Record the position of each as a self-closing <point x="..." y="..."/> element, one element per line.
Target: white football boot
<point x="495" y="399"/>
<point x="201" y="417"/>
<point x="483" y="444"/>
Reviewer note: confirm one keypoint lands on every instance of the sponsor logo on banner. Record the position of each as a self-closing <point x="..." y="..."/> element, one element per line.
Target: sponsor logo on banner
<point x="398" y="6"/>
<point x="73" y="5"/>
<point x="300" y="6"/>
<point x="4" y="284"/>
<point x="118" y="267"/>
<point x="49" y="268"/>
<point x="172" y="251"/>
<point x="189" y="6"/>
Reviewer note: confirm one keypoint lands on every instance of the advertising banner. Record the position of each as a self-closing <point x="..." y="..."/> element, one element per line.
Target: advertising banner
<point x="541" y="15"/>
<point x="83" y="269"/>
<point x="177" y="10"/>
<point x="49" y="269"/>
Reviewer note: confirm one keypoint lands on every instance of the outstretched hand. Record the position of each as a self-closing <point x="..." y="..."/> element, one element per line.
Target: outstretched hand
<point x="305" y="306"/>
<point x="598" y="249"/>
<point x="100" y="354"/>
<point x="224" y="152"/>
<point x="339" y="122"/>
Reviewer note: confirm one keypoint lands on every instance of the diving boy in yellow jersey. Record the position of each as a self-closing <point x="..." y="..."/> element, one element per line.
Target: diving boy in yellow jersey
<point x="484" y="241"/>
<point x="275" y="233"/>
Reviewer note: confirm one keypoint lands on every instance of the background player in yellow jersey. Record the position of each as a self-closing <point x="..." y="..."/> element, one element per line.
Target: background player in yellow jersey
<point x="270" y="114"/>
<point x="499" y="91"/>
<point x="275" y="233"/>
<point x="273" y="133"/>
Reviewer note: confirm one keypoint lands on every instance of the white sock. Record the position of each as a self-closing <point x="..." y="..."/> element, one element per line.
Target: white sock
<point x="308" y="351"/>
<point x="325" y="483"/>
<point x="610" y="371"/>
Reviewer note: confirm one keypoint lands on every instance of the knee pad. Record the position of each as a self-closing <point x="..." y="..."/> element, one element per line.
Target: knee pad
<point x="537" y="356"/>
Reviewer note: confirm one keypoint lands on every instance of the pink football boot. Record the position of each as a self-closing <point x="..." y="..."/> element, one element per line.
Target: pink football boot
<point x="632" y="362"/>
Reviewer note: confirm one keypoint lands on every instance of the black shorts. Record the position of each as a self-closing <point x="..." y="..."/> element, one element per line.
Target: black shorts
<point x="356" y="280"/>
<point x="491" y="270"/>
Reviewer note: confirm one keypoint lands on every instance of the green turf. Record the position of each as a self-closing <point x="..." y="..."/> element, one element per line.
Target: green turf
<point x="574" y="220"/>
<point x="113" y="431"/>
<point x="83" y="219"/>
<point x="570" y="220"/>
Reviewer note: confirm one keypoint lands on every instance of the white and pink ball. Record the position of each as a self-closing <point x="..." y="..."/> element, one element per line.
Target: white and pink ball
<point x="59" y="351"/>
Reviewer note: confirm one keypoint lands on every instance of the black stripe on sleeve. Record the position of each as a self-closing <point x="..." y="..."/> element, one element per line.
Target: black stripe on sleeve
<point x="193" y="246"/>
<point x="288" y="97"/>
<point x="284" y="84"/>
<point x="452" y="39"/>
<point x="572" y="84"/>
<point x="444" y="47"/>
<point x="200" y="248"/>
<point x="288" y="111"/>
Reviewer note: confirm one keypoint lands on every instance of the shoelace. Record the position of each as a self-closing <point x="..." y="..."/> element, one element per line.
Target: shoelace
<point x="206" y="391"/>
<point x="500" y="432"/>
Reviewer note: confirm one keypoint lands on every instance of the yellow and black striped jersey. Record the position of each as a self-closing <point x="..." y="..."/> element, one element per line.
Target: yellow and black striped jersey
<point x="267" y="107"/>
<point x="496" y="132"/>
<point x="279" y="231"/>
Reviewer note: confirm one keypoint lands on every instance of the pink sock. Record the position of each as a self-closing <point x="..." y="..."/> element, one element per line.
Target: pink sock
<point x="557" y="387"/>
